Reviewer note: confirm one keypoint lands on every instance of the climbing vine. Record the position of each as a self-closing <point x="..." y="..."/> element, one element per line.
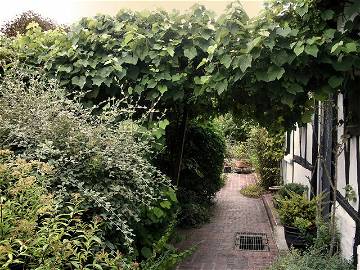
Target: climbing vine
<point x="274" y="67"/>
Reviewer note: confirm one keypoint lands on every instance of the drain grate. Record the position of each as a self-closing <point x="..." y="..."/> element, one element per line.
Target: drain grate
<point x="251" y="241"/>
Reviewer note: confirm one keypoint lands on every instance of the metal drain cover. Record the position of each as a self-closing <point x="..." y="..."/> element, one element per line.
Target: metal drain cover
<point x="251" y="241"/>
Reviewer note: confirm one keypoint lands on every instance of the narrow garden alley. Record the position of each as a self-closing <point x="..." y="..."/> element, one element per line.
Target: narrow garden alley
<point x="216" y="241"/>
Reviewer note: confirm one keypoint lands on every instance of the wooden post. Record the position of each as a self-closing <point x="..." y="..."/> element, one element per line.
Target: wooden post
<point x="183" y="129"/>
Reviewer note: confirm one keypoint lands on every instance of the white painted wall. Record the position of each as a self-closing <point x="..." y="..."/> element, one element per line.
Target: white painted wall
<point x="294" y="172"/>
<point x="346" y="226"/>
<point x="340" y="170"/>
<point x="302" y="176"/>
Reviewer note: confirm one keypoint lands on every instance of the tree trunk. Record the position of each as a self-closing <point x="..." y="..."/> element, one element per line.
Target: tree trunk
<point x="183" y="130"/>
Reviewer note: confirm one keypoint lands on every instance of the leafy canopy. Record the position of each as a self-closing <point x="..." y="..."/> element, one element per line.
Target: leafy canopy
<point x="274" y="67"/>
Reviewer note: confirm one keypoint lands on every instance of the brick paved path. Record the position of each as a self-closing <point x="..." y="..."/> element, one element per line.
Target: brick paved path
<point x="233" y="213"/>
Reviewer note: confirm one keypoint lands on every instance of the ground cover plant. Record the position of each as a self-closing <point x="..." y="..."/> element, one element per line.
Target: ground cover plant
<point x="312" y="259"/>
<point x="253" y="191"/>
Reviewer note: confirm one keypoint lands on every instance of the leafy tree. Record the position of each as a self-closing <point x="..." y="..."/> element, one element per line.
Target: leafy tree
<point x="19" y="24"/>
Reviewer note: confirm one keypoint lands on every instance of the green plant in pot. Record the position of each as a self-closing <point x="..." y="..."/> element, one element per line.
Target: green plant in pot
<point x="298" y="215"/>
<point x="285" y="192"/>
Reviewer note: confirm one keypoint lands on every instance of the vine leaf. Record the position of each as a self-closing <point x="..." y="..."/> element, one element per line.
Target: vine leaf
<point x="97" y="80"/>
<point x="79" y="81"/>
<point x="335" y="81"/>
<point x="299" y="49"/>
<point x="170" y="51"/>
<point x="244" y="61"/>
<point x="226" y="60"/>
<point x="312" y="50"/>
<point x="327" y="14"/>
<point x="190" y="53"/>
<point x="162" y="88"/>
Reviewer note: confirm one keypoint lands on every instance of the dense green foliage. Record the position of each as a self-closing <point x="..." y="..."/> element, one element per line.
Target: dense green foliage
<point x="203" y="161"/>
<point x="148" y="54"/>
<point x="273" y="67"/>
<point x="265" y="152"/>
<point x="286" y="190"/>
<point x="310" y="260"/>
<point x="234" y="129"/>
<point x="298" y="211"/>
<point x="98" y="156"/>
<point x="201" y="170"/>
<point x="36" y="234"/>
<point x="101" y="158"/>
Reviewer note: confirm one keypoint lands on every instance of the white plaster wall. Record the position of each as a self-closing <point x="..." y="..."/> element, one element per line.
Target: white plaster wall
<point x="287" y="169"/>
<point x="287" y="163"/>
<point x="309" y="143"/>
<point x="296" y="142"/>
<point x="340" y="168"/>
<point x="353" y="170"/>
<point x="302" y="176"/>
<point x="347" y="228"/>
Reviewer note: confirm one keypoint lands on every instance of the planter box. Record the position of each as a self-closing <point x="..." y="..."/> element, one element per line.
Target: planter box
<point x="294" y="238"/>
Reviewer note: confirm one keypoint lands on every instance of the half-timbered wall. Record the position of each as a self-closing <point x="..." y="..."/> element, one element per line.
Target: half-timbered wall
<point x="300" y="165"/>
<point x="298" y="162"/>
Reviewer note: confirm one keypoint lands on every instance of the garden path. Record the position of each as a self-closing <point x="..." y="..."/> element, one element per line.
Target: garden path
<point x="216" y="240"/>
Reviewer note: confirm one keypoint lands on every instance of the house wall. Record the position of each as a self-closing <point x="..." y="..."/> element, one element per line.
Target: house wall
<point x="347" y="228"/>
<point x="296" y="168"/>
<point x="293" y="165"/>
<point x="347" y="170"/>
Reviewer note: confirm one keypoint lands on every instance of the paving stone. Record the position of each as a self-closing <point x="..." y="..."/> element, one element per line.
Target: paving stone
<point x="233" y="213"/>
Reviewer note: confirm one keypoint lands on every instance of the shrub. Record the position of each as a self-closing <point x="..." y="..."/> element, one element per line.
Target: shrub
<point x="203" y="161"/>
<point x="266" y="152"/>
<point x="252" y="191"/>
<point x="36" y="234"/>
<point x="20" y="23"/>
<point x="194" y="214"/>
<point x="286" y="190"/>
<point x="201" y="172"/>
<point x="298" y="211"/>
<point x="310" y="259"/>
<point x="102" y="157"/>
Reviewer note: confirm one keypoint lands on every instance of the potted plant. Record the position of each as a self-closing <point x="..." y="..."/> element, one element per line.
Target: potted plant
<point x="298" y="215"/>
<point x="284" y="192"/>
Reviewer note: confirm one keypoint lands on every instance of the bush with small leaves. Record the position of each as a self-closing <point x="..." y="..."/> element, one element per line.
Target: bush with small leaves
<point x="36" y="234"/>
<point x="101" y="156"/>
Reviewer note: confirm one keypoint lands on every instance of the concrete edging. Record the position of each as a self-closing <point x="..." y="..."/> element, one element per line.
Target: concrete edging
<point x="277" y="228"/>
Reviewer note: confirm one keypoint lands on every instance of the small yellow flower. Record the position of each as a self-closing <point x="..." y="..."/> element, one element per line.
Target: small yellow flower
<point x="5" y="152"/>
<point x="20" y="161"/>
<point x="46" y="168"/>
<point x="3" y="168"/>
<point x="24" y="226"/>
<point x="5" y="250"/>
<point x="16" y="174"/>
<point x="23" y="184"/>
